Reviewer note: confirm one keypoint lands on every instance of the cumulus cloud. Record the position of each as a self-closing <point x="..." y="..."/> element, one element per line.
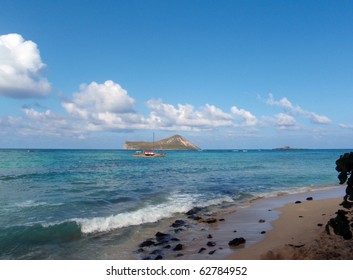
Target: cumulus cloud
<point x="186" y="117"/>
<point x="297" y="110"/>
<point x="248" y="118"/>
<point x="21" y="68"/>
<point x="284" y="121"/>
<point x="104" y="106"/>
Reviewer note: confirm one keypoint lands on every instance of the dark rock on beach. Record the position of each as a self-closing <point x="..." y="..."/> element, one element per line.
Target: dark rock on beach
<point x="194" y="211"/>
<point x="309" y="198"/>
<point x="298" y="202"/>
<point x="147" y="243"/>
<point x="340" y="225"/>
<point x="212" y="252"/>
<point x="201" y="250"/>
<point x="262" y="221"/>
<point x="236" y="242"/>
<point x="178" y="247"/>
<point x="211" y="244"/>
<point x="178" y="223"/>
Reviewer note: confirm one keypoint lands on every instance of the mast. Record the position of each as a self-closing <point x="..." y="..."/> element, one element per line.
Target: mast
<point x="153" y="143"/>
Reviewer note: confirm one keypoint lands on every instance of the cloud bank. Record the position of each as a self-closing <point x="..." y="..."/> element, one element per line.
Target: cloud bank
<point x="292" y="110"/>
<point x="21" y="68"/>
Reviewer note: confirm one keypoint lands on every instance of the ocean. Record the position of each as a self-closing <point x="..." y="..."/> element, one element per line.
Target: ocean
<point x="101" y="204"/>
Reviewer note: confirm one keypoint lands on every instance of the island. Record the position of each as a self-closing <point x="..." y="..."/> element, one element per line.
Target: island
<point x="287" y="148"/>
<point x="176" y="142"/>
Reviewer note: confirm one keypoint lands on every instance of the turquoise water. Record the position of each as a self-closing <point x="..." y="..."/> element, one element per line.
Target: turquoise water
<point x="74" y="204"/>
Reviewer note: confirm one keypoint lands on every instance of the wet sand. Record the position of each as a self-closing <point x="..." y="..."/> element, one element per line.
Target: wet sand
<point x="274" y="228"/>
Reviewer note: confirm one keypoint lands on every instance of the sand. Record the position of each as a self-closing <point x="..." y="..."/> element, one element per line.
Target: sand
<point x="299" y="234"/>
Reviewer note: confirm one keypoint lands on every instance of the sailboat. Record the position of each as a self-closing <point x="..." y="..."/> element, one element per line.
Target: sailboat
<point x="149" y="153"/>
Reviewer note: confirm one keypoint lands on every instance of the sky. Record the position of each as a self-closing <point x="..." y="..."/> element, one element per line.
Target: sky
<point x="227" y="74"/>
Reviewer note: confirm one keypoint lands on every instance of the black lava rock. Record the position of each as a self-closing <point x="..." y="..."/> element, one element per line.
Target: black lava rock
<point x="178" y="223"/>
<point x="236" y="242"/>
<point x="211" y="244"/>
<point x="147" y="243"/>
<point x="178" y="247"/>
<point x="201" y="250"/>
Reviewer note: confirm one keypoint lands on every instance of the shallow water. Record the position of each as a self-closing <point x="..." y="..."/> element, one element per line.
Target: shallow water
<point x="99" y="204"/>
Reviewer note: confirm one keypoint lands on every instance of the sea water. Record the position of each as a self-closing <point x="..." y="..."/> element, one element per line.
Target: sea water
<point x="97" y="204"/>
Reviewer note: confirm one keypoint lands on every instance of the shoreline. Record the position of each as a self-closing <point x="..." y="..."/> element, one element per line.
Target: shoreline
<point x="272" y="227"/>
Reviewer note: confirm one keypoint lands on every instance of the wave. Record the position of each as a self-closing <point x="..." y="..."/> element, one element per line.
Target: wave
<point x="148" y="214"/>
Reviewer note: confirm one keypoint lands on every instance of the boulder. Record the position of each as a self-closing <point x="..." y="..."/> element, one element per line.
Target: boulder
<point x="178" y="223"/>
<point x="236" y="242"/>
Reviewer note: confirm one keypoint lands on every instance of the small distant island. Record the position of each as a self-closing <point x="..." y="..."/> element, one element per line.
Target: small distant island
<point x="287" y="148"/>
<point x="176" y="142"/>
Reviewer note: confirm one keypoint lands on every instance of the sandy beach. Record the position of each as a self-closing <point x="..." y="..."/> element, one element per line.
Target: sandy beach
<point x="299" y="234"/>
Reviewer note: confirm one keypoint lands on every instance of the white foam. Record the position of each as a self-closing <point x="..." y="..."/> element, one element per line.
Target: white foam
<point x="150" y="214"/>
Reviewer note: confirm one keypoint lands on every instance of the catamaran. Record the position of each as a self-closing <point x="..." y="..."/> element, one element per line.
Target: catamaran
<point x="149" y="153"/>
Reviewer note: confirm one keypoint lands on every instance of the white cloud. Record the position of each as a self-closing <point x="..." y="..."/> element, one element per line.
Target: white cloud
<point x="104" y="106"/>
<point x="185" y="117"/>
<point x="20" y="68"/>
<point x="346" y="126"/>
<point x="290" y="109"/>
<point x="248" y="118"/>
<point x="284" y="121"/>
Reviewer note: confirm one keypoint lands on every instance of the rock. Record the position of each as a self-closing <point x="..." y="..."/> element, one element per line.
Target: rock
<point x="178" y="247"/>
<point x="178" y="230"/>
<point x="167" y="247"/>
<point x="175" y="239"/>
<point x="309" y="198"/>
<point x="263" y="232"/>
<point x="179" y="255"/>
<point x="210" y="221"/>
<point x="319" y="225"/>
<point x="211" y="244"/>
<point x="209" y="236"/>
<point x="221" y="220"/>
<point x="212" y="252"/>
<point x="147" y="243"/>
<point x="236" y="242"/>
<point x="178" y="223"/>
<point x="340" y="225"/>
<point x="156" y="252"/>
<point x="159" y="257"/>
<point x="262" y="221"/>
<point x="194" y="211"/>
<point x="298" y="202"/>
<point x="234" y="231"/>
<point x="162" y="238"/>
<point x="201" y="250"/>
<point x="195" y="217"/>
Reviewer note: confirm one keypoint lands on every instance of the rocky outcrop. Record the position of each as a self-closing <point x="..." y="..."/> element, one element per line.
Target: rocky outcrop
<point x="176" y="142"/>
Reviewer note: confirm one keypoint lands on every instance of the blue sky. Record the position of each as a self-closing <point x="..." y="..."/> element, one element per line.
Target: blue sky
<point x="224" y="74"/>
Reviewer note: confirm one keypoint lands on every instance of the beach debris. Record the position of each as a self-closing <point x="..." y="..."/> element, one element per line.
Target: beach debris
<point x="178" y="247"/>
<point x="340" y="225"/>
<point x="236" y="242"/>
<point x="211" y="244"/>
<point x="201" y="250"/>
<point x="178" y="223"/>
<point x="262" y="221"/>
